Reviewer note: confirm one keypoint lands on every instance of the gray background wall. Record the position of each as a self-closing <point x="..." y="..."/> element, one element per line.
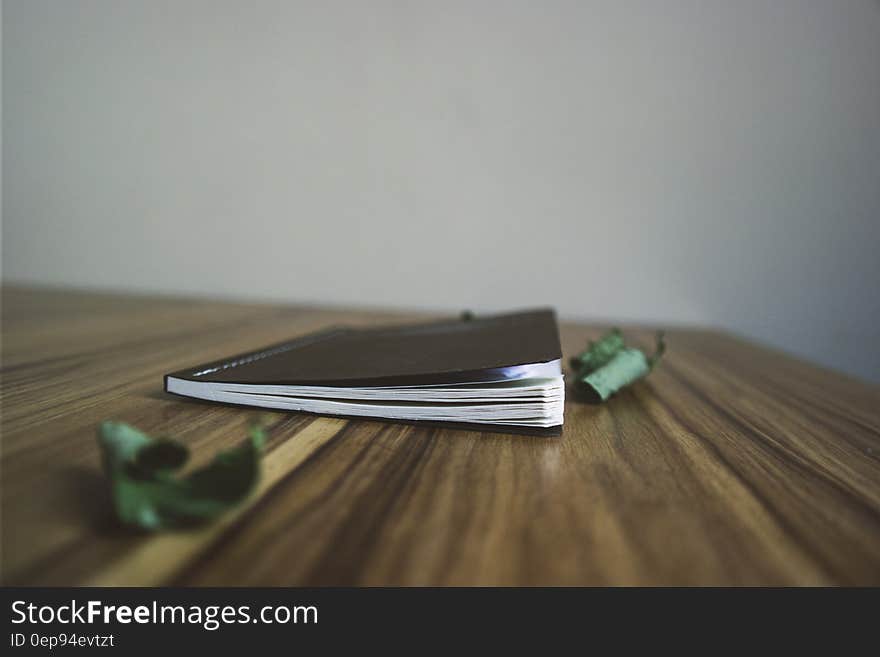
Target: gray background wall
<point x="706" y="162"/>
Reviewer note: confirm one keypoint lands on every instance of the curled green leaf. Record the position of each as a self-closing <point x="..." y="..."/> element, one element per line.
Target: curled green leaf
<point x="598" y="353"/>
<point x="147" y="495"/>
<point x="625" y="366"/>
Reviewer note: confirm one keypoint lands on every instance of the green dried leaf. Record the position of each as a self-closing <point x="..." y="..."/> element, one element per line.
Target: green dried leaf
<point x="146" y="495"/>
<point x="628" y="365"/>
<point x="598" y="353"/>
<point x="625" y="366"/>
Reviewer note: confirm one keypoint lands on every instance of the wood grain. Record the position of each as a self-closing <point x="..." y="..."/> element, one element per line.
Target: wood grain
<point x="732" y="464"/>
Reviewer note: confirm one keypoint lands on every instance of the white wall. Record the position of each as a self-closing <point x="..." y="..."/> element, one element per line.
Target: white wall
<point x="710" y="162"/>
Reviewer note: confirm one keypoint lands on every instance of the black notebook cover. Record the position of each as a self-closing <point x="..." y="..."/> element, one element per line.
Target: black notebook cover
<point x="437" y="352"/>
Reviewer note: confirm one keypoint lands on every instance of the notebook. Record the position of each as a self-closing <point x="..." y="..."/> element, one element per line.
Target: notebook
<point x="501" y="371"/>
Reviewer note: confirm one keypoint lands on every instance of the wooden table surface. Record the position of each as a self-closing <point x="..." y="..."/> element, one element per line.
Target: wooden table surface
<point x="731" y="464"/>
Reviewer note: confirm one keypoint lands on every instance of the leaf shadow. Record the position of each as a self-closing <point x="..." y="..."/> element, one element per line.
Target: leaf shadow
<point x="88" y="497"/>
